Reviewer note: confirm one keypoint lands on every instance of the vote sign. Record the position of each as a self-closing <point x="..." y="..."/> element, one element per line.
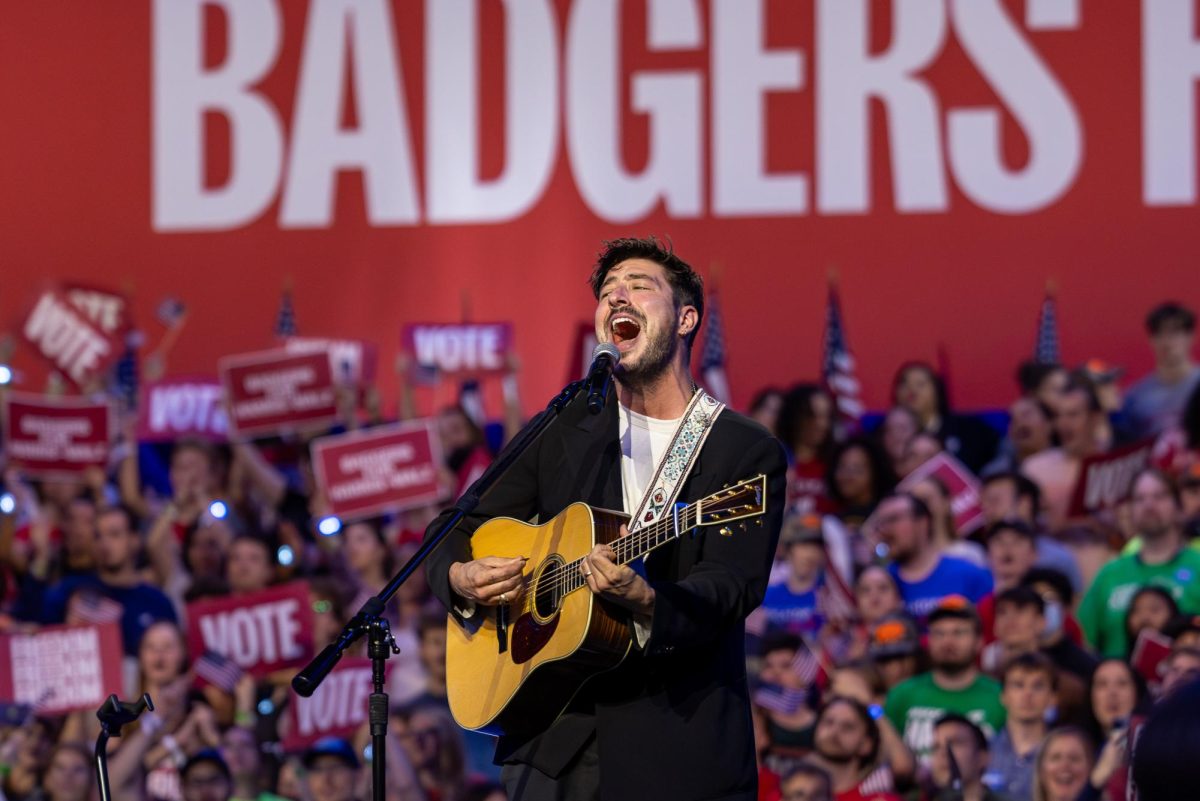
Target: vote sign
<point x="65" y="336"/>
<point x="959" y="482"/>
<point x="353" y="361"/>
<point x="386" y="468"/>
<point x="336" y="709"/>
<point x="56" y="437"/>
<point x="459" y="349"/>
<point x="60" y="669"/>
<point x="175" y="408"/>
<point x="261" y="632"/>
<point x="107" y="310"/>
<point x="272" y="392"/>
<point x="1106" y="479"/>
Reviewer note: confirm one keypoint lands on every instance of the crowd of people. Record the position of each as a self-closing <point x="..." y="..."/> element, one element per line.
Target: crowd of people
<point x="895" y="655"/>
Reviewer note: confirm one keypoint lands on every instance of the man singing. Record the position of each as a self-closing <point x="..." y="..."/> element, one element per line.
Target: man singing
<point x="673" y="721"/>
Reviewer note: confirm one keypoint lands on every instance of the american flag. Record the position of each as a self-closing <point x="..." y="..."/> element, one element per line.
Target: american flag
<point x="1045" y="350"/>
<point x="285" y="321"/>
<point x="878" y="782"/>
<point x="125" y="372"/>
<point x="218" y="670"/>
<point x="170" y="311"/>
<point x="89" y="606"/>
<point x="806" y="665"/>
<point x="783" y="700"/>
<point x="712" y="355"/>
<point x="838" y="367"/>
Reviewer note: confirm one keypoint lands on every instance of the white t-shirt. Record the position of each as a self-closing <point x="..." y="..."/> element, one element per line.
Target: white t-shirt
<point x="644" y="440"/>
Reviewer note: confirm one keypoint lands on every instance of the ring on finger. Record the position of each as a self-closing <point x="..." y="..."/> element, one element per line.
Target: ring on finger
<point x="504" y="597"/>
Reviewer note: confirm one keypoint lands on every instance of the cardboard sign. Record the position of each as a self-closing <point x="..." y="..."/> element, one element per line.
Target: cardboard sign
<point x="107" y="310"/>
<point x="63" y="335"/>
<point x="176" y="408"/>
<point x="61" y="668"/>
<point x="261" y="632"/>
<point x="1106" y="479"/>
<point x="959" y="482"/>
<point x="336" y="709"/>
<point x="459" y="349"/>
<point x="48" y="437"/>
<point x="1148" y="654"/>
<point x="354" y="361"/>
<point x="273" y="392"/>
<point x="387" y="468"/>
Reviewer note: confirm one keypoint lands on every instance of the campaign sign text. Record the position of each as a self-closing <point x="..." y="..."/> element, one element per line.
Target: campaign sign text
<point x="60" y="669"/>
<point x="386" y="468"/>
<point x="959" y="482"/>
<point x="62" y="335"/>
<point x="336" y="709"/>
<point x="48" y="437"/>
<point x="273" y="391"/>
<point x="463" y="348"/>
<point x="107" y="310"/>
<point x="1106" y="479"/>
<point x="176" y="408"/>
<point x="261" y="632"/>
<point x="354" y="361"/>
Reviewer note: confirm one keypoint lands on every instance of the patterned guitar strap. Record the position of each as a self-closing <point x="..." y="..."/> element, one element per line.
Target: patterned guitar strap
<point x="677" y="461"/>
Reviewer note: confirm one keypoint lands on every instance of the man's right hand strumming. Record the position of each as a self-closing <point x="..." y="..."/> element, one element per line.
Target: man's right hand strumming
<point x="492" y="580"/>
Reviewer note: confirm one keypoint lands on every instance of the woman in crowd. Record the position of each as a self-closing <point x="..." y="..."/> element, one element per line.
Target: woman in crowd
<point x="859" y="477"/>
<point x="806" y="430"/>
<point x="919" y="388"/>
<point x="1062" y="766"/>
<point x="1151" y="608"/>
<point x="945" y="537"/>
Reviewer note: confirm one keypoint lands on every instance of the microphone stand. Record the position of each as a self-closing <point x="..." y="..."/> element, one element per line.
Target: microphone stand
<point x="369" y="619"/>
<point x="114" y="714"/>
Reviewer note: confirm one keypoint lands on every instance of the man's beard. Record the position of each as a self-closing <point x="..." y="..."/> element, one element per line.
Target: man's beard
<point x="1152" y="528"/>
<point x="653" y="364"/>
<point x="955" y="667"/>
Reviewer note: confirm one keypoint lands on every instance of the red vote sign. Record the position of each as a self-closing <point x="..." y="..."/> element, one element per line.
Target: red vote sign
<point x="354" y="361"/>
<point x="107" y="310"/>
<point x="59" y="436"/>
<point x="386" y="468"/>
<point x="261" y="632"/>
<point x="1106" y="479"/>
<point x="65" y="336"/>
<point x="271" y="392"/>
<point x="460" y="348"/>
<point x="60" y="669"/>
<point x="175" y="408"/>
<point x="336" y="709"/>
<point x="959" y="482"/>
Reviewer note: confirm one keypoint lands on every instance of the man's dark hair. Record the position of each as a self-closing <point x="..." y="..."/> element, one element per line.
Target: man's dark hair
<point x="1055" y="578"/>
<point x="1170" y="313"/>
<point x="916" y="507"/>
<point x="1163" y="478"/>
<point x="864" y="715"/>
<point x="816" y="772"/>
<point x="1031" y="373"/>
<point x="131" y="518"/>
<point x="1089" y="392"/>
<point x="779" y="641"/>
<point x="1021" y="597"/>
<point x="981" y="742"/>
<point x="1032" y="662"/>
<point x="1168" y="748"/>
<point x="1010" y="524"/>
<point x="1024" y="486"/>
<point x="686" y="284"/>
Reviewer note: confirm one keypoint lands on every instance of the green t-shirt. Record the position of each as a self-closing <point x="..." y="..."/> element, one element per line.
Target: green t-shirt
<point x="1102" y="611"/>
<point x="913" y="706"/>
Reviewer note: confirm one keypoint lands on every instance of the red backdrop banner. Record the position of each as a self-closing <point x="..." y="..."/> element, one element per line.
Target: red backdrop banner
<point x="397" y="161"/>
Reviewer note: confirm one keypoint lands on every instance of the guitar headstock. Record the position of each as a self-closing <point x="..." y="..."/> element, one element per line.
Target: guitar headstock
<point x="743" y="500"/>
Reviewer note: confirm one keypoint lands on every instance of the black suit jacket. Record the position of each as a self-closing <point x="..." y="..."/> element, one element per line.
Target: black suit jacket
<point x="673" y="721"/>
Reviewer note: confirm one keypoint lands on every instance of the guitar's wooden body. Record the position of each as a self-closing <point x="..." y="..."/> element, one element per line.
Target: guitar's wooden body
<point x="554" y="645"/>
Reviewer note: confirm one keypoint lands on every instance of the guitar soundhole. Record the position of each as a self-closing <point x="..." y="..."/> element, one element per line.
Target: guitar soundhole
<point x="547" y="589"/>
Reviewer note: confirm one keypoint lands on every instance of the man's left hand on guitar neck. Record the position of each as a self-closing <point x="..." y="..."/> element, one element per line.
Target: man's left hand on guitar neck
<point x="620" y="584"/>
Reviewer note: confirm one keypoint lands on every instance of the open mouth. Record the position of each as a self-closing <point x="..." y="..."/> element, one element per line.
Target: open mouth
<point x="624" y="330"/>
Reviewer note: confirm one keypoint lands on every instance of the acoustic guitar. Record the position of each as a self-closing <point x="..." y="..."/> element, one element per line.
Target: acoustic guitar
<point x="515" y="667"/>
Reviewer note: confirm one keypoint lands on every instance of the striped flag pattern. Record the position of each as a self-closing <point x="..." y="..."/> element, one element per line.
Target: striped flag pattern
<point x="1045" y="349"/>
<point x="218" y="670"/>
<point x="783" y="700"/>
<point x="838" y="368"/>
<point x="806" y="665"/>
<point x="285" y="321"/>
<point x="712" y="355"/>
<point x="877" y="781"/>
<point x="89" y="606"/>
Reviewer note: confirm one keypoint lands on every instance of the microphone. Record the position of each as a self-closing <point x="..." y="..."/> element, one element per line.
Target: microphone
<point x="599" y="380"/>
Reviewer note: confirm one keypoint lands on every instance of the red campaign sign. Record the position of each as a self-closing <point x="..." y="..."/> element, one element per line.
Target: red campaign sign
<point x="261" y="632"/>
<point x="61" y="669"/>
<point x="108" y="311"/>
<point x="354" y="361"/>
<point x="59" y="436"/>
<point x="272" y="391"/>
<point x="959" y="482"/>
<point x="64" y="336"/>
<point x="459" y="348"/>
<point x="336" y="709"/>
<point x="175" y="408"/>
<point x="386" y="468"/>
<point x="1105" y="479"/>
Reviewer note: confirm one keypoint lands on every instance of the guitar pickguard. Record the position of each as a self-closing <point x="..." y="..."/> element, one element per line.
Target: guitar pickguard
<point x="529" y="636"/>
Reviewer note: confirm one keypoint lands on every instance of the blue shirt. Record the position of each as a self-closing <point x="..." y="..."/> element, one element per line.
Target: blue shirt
<point x="793" y="612"/>
<point x="142" y="605"/>
<point x="952" y="576"/>
<point x="1008" y="772"/>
